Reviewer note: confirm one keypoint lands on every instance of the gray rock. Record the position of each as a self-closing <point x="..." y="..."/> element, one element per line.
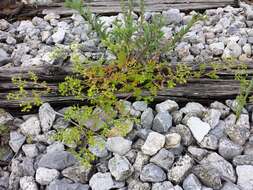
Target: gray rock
<point x="152" y="173"/>
<point x="31" y="127"/>
<point x="230" y="186"/>
<point x="46" y="116"/>
<point x="154" y="142"/>
<point x="28" y="183"/>
<point x="99" y="147"/>
<point x="60" y="123"/>
<point x="180" y="169"/>
<point x="118" y="145"/>
<point x="166" y="185"/>
<point x="140" y="105"/>
<point x="162" y="122"/>
<point x="232" y="104"/>
<point x="57" y="160"/>
<point x="101" y="181"/>
<point x="27" y="166"/>
<point x="193" y="108"/>
<point x="221" y="107"/>
<point x="140" y="160"/>
<point x="208" y="175"/>
<point x="4" y="25"/>
<point x="16" y="140"/>
<point x="5" y="117"/>
<point x="243" y="121"/>
<point x="147" y="118"/>
<point x="212" y="117"/>
<point x="172" y="16"/>
<point x="185" y="133"/>
<point x="30" y="150"/>
<point x="177" y="117"/>
<point x="219" y="130"/>
<point x="198" y="128"/>
<point x="209" y="142"/>
<point x="63" y="185"/>
<point x="191" y="182"/>
<point x="163" y="159"/>
<point x="79" y="174"/>
<point x="4" y="57"/>
<point x="44" y="176"/>
<point x="55" y="147"/>
<point x="245" y="177"/>
<point x="217" y="48"/>
<point x="197" y="153"/>
<point x="167" y="106"/>
<point x="243" y="160"/>
<point x="172" y="140"/>
<point x="137" y="185"/>
<point x="225" y="169"/>
<point x="247" y="49"/>
<point x="237" y="134"/>
<point x="228" y="149"/>
<point x="120" y="168"/>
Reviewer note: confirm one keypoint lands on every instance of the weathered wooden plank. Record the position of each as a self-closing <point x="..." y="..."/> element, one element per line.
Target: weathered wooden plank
<point x="113" y="6"/>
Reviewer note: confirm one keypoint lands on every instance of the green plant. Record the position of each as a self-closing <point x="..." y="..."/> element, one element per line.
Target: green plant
<point x="136" y="68"/>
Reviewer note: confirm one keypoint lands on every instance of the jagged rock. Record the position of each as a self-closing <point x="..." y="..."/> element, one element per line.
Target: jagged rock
<point x="180" y="169"/>
<point x="153" y="143"/>
<point x="197" y="153"/>
<point x="57" y="160"/>
<point x="120" y="168"/>
<point x="99" y="147"/>
<point x="167" y="106"/>
<point x="198" y="128"/>
<point x="245" y="178"/>
<point x="193" y="108"/>
<point x="79" y="174"/>
<point x="63" y="185"/>
<point x="172" y="140"/>
<point x="140" y="160"/>
<point x="166" y="185"/>
<point x="28" y="183"/>
<point x="16" y="140"/>
<point x="46" y="116"/>
<point x="191" y="182"/>
<point x="209" y="142"/>
<point x="152" y="173"/>
<point x="228" y="149"/>
<point x="44" y="176"/>
<point x="147" y="118"/>
<point x="30" y="150"/>
<point x="225" y="169"/>
<point x="101" y="181"/>
<point x="163" y="159"/>
<point x="31" y="127"/>
<point x="140" y="105"/>
<point x="162" y="122"/>
<point x="212" y="117"/>
<point x="137" y="185"/>
<point x="184" y="132"/>
<point x="224" y="110"/>
<point x="118" y="145"/>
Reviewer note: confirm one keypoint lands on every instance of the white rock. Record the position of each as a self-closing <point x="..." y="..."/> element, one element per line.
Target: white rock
<point x="101" y="181"/>
<point x="154" y="142"/>
<point x="59" y="36"/>
<point x="245" y="177"/>
<point x="118" y="145"/>
<point x="247" y="49"/>
<point x="47" y="116"/>
<point x="28" y="183"/>
<point x="31" y="127"/>
<point x="30" y="150"/>
<point x="44" y="176"/>
<point x="172" y="140"/>
<point x="217" y="48"/>
<point x="198" y="128"/>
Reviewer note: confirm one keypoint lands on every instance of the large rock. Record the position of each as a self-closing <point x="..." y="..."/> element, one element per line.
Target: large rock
<point x="172" y="140"/>
<point x="154" y="142"/>
<point x="198" y="128"/>
<point x="245" y="177"/>
<point x="44" y="176"/>
<point x="163" y="159"/>
<point x="57" y="160"/>
<point x="191" y="182"/>
<point x="30" y="150"/>
<point x="120" y="168"/>
<point x="31" y="127"/>
<point x="225" y="169"/>
<point x="162" y="122"/>
<point x="180" y="169"/>
<point x="101" y="181"/>
<point x="194" y="109"/>
<point x="46" y="116"/>
<point x="152" y="173"/>
<point x="118" y="145"/>
<point x="212" y="117"/>
<point x="28" y="183"/>
<point x="208" y="175"/>
<point x="147" y="118"/>
<point x="221" y="107"/>
<point x="237" y="134"/>
<point x="167" y="106"/>
<point x="16" y="140"/>
<point x="79" y="174"/>
<point x="140" y="105"/>
<point x="228" y="149"/>
<point x="217" y="48"/>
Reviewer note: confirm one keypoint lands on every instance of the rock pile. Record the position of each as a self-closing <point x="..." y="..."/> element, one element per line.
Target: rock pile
<point x="227" y="32"/>
<point x="173" y="148"/>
